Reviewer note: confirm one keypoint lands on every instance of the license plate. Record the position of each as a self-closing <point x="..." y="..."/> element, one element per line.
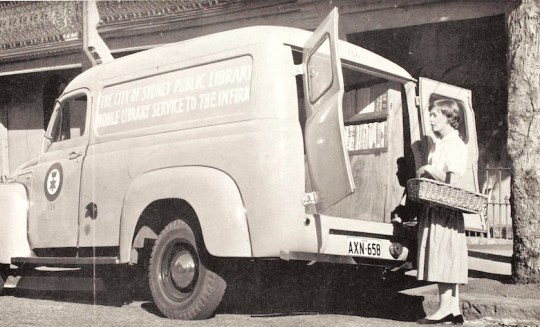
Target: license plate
<point x="363" y="247"/>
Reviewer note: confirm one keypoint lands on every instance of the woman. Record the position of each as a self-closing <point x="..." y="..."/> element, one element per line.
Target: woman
<point x="442" y="248"/>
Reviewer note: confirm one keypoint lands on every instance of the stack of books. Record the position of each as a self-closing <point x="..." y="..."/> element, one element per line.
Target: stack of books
<point x="366" y="136"/>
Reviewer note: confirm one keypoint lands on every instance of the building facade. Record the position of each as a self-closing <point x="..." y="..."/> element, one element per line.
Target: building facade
<point x="459" y="42"/>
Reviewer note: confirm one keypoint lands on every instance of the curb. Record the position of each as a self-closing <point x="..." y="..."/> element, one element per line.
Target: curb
<point x="479" y="306"/>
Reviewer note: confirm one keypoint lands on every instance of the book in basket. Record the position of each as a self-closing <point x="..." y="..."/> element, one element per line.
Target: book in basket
<point x="441" y="194"/>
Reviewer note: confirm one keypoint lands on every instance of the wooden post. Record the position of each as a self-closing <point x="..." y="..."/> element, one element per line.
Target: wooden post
<point x="4" y="157"/>
<point x="523" y="29"/>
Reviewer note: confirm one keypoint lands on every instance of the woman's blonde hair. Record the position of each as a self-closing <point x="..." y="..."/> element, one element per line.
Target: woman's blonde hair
<point x="450" y="109"/>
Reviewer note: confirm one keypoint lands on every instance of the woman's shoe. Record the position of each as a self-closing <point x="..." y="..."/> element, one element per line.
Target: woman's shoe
<point x="458" y="320"/>
<point x="448" y="319"/>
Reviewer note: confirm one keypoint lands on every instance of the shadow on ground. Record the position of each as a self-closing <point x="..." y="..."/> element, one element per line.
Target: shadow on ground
<point x="498" y="277"/>
<point x="261" y="288"/>
<point x="288" y="288"/>
<point x="77" y="286"/>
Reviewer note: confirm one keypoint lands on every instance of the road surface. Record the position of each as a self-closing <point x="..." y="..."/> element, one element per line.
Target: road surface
<point x="258" y="294"/>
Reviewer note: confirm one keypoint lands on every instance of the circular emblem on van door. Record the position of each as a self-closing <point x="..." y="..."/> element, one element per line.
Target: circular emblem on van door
<point x="53" y="182"/>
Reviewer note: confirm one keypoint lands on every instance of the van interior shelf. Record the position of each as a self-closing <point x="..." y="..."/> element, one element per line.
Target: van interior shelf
<point x="375" y="151"/>
<point x="368" y="116"/>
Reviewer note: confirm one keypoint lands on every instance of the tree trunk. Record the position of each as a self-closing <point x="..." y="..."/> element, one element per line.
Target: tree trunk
<point x="523" y="28"/>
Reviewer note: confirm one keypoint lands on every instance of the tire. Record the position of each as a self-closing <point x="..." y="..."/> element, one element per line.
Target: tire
<point x="181" y="286"/>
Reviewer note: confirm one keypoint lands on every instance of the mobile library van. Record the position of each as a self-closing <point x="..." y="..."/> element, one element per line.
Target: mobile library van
<point x="263" y="143"/>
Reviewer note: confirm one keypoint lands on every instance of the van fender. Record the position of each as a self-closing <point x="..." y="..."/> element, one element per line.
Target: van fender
<point x="213" y="195"/>
<point x="13" y="222"/>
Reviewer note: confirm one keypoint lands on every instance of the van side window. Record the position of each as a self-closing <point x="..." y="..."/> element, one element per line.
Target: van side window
<point x="69" y="120"/>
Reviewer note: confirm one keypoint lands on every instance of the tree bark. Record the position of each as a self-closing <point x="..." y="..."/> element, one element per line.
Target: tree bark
<point x="523" y="28"/>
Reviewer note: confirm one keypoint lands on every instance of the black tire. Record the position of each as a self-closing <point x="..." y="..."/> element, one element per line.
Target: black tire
<point x="190" y="291"/>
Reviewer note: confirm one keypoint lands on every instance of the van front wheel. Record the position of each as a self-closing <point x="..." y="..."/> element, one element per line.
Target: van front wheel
<point x="182" y="287"/>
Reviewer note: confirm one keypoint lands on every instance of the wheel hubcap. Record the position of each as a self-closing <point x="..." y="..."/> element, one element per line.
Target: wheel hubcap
<point x="183" y="269"/>
<point x="179" y="270"/>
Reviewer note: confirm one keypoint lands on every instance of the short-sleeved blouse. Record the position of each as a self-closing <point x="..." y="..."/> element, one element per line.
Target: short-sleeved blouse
<point x="449" y="154"/>
<point x="442" y="247"/>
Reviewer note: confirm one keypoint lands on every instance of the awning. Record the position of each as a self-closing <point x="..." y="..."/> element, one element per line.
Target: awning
<point x="57" y="62"/>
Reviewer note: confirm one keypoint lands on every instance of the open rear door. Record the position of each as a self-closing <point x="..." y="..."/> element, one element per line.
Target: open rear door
<point x="430" y="91"/>
<point x="327" y="156"/>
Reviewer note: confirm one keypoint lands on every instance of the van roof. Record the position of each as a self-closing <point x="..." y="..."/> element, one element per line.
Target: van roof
<point x="228" y="40"/>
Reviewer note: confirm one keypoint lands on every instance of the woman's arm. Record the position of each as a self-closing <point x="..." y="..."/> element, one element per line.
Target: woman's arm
<point x="437" y="174"/>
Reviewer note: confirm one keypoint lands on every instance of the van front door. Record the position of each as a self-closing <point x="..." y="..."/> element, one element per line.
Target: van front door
<point x="54" y="212"/>
<point x="327" y="156"/>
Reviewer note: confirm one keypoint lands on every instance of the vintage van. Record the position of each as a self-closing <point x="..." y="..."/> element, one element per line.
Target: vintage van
<point x="263" y="142"/>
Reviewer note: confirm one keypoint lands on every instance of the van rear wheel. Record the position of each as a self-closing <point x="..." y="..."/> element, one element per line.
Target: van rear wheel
<point x="182" y="287"/>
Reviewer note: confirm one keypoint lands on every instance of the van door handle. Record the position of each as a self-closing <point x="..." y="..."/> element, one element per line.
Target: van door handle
<point x="74" y="155"/>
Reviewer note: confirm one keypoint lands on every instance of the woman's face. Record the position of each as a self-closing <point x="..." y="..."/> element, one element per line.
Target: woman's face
<point x="439" y="122"/>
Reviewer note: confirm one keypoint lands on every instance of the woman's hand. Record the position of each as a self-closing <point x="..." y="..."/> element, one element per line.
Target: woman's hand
<point x="424" y="171"/>
<point x="431" y="172"/>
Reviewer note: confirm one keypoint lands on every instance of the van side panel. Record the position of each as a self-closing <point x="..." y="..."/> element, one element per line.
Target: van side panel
<point x="212" y="194"/>
<point x="273" y="192"/>
<point x="259" y="145"/>
<point x="265" y="160"/>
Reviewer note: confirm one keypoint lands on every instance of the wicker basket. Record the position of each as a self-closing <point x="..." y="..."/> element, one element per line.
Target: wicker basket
<point x="442" y="194"/>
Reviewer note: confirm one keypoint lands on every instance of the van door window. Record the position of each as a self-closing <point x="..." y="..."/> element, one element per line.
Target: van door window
<point x="69" y="120"/>
<point x="320" y="71"/>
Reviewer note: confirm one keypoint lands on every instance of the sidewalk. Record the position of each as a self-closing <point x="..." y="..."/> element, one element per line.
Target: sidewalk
<point x="489" y="297"/>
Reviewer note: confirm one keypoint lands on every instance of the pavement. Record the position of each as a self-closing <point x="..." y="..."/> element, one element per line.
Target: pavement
<point x="489" y="298"/>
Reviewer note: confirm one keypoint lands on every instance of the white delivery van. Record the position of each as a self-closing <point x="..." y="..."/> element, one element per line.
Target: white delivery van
<point x="263" y="142"/>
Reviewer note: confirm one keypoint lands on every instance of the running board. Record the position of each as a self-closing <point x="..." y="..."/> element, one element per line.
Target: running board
<point x="65" y="260"/>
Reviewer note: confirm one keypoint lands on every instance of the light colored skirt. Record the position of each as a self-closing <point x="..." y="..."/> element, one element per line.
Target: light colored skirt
<point x="442" y="246"/>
